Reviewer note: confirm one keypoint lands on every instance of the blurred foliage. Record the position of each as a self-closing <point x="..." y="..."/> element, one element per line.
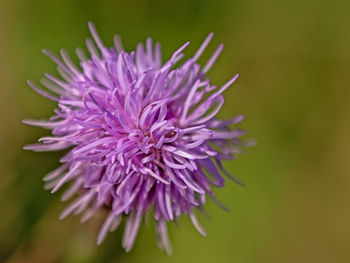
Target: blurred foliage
<point x="293" y="58"/>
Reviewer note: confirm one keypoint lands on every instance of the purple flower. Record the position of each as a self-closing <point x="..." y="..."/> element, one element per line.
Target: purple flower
<point x="141" y="135"/>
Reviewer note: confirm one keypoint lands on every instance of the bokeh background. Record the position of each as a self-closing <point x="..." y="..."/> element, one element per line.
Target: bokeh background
<point x="294" y="63"/>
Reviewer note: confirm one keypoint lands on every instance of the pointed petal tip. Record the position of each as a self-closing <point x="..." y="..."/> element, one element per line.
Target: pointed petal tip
<point x="48" y="75"/>
<point x="31" y="147"/>
<point x="91" y="25"/>
<point x="46" y="52"/>
<point x="26" y="147"/>
<point x="240" y="117"/>
<point x="99" y="241"/>
<point x="92" y="28"/>
<point x="63" y="51"/>
<point x="54" y="190"/>
<point x="242" y="184"/>
<point x="235" y="179"/>
<point x="44" y="179"/>
<point x="62" y="216"/>
<point x="126" y="247"/>
<point x="26" y="121"/>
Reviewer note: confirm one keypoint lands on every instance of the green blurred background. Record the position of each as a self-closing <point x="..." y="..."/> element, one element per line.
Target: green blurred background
<point x="294" y="62"/>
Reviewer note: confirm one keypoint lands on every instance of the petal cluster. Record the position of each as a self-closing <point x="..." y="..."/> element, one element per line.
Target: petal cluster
<point x="141" y="134"/>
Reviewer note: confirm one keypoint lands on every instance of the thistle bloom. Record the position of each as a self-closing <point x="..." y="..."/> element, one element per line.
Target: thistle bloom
<point x="141" y="135"/>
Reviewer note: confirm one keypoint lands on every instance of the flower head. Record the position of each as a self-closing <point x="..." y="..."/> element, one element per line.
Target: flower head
<point x="141" y="134"/>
